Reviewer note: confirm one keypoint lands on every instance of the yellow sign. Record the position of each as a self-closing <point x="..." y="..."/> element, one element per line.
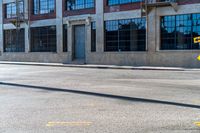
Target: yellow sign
<point x="198" y="58"/>
<point x="197" y="39"/>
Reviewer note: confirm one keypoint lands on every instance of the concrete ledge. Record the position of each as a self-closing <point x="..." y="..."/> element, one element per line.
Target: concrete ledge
<point x="100" y="66"/>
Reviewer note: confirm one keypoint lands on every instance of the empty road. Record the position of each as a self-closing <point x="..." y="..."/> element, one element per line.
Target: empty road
<point x="44" y="99"/>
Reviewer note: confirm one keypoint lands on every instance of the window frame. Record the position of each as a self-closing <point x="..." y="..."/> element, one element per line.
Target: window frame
<point x="118" y="3"/>
<point x="39" y="8"/>
<point x="84" y="8"/>
<point x="175" y="39"/>
<point x="14" y="41"/>
<point x="42" y="37"/>
<point x="118" y="36"/>
<point x="13" y="4"/>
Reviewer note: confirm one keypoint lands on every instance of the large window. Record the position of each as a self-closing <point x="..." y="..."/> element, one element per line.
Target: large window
<point x="65" y="38"/>
<point x="43" y="39"/>
<point x="11" y="9"/>
<point x="117" y="2"/>
<point x="14" y="40"/>
<point x="177" y="32"/>
<point x="79" y="4"/>
<point x="43" y="6"/>
<point x="125" y="35"/>
<point x="93" y="36"/>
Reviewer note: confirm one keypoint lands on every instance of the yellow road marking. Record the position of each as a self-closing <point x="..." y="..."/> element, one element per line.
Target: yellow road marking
<point x="196" y="101"/>
<point x="197" y="123"/>
<point x="51" y="124"/>
<point x="92" y="105"/>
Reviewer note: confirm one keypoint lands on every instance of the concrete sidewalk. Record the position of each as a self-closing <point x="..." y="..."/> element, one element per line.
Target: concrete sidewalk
<point x="100" y="66"/>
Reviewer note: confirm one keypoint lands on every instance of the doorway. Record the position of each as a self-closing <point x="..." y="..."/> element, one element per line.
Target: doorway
<point x="79" y="42"/>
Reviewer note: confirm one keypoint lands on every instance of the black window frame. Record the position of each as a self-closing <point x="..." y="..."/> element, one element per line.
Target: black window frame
<point x="120" y="40"/>
<point x="171" y="35"/>
<point x="13" y="13"/>
<point x="121" y="2"/>
<point x="39" y="10"/>
<point x="44" y="39"/>
<point x="15" y="39"/>
<point x="82" y="6"/>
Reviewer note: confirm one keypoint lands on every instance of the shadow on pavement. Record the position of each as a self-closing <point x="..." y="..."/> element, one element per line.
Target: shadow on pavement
<point x="132" y="99"/>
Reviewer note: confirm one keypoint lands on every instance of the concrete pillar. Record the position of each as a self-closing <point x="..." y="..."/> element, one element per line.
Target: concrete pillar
<point x="70" y="33"/>
<point x="27" y="40"/>
<point x="152" y="36"/>
<point x="157" y="32"/>
<point x="59" y="25"/>
<point x="99" y="26"/>
<point x="1" y="27"/>
<point x="151" y="32"/>
<point x="27" y="37"/>
<point x="88" y="40"/>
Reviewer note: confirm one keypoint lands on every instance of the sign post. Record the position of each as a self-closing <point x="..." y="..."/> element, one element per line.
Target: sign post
<point x="197" y="41"/>
<point x="198" y="58"/>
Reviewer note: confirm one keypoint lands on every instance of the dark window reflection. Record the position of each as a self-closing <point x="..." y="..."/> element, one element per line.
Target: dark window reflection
<point x="125" y="35"/>
<point x="65" y="38"/>
<point x="43" y="39"/>
<point x="93" y="36"/>
<point x="177" y="32"/>
<point x="14" y="40"/>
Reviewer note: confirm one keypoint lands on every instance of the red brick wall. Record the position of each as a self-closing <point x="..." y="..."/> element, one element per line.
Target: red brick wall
<point x="116" y="8"/>
<point x="78" y="12"/>
<point x="134" y="6"/>
<point x="183" y="2"/>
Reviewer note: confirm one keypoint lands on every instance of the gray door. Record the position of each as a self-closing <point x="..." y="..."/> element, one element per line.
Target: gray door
<point x="79" y="42"/>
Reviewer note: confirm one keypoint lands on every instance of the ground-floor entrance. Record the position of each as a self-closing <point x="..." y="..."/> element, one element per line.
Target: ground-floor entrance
<point x="79" y="42"/>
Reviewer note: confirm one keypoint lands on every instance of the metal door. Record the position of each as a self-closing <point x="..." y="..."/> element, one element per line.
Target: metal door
<point x="79" y="41"/>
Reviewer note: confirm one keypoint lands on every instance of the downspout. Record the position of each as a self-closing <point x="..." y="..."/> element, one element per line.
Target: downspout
<point x="147" y="24"/>
<point x="156" y="13"/>
<point x="28" y="22"/>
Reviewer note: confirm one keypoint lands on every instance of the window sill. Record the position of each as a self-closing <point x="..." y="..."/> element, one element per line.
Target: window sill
<point x="125" y="52"/>
<point x="195" y="50"/>
<point x="80" y="9"/>
<point x="44" y="52"/>
<point x="44" y="14"/>
<point x="123" y="4"/>
<point x="13" y="52"/>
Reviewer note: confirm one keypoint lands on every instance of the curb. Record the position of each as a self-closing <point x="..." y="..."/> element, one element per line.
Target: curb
<point x="95" y="66"/>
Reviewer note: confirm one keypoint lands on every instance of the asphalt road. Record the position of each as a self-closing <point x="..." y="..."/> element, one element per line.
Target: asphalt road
<point x="35" y="99"/>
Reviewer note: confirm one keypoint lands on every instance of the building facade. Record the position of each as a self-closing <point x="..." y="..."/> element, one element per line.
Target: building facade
<point x="101" y="32"/>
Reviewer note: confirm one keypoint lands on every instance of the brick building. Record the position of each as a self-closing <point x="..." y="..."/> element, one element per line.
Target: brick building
<point x="119" y="32"/>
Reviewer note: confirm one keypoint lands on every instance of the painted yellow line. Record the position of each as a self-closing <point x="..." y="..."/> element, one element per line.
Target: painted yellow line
<point x="51" y="124"/>
<point x="91" y="105"/>
<point x="196" y="101"/>
<point x="197" y="123"/>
